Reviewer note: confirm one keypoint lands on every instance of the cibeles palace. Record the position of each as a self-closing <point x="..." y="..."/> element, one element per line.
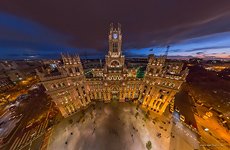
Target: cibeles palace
<point x="71" y="90"/>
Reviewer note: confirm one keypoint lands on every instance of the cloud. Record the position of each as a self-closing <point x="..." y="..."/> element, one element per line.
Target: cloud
<point x="200" y="53"/>
<point x="83" y="25"/>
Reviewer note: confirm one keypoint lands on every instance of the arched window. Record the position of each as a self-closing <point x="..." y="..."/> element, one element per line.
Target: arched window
<point x="114" y="63"/>
<point x="77" y="69"/>
<point x="59" y="85"/>
<point x="115" y="47"/>
<point x="53" y="86"/>
<point x="70" y="70"/>
<point x="151" y="70"/>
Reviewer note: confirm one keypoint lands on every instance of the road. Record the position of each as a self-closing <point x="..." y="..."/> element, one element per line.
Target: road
<point x="31" y="108"/>
<point x="7" y="125"/>
<point x="211" y="94"/>
<point x="30" y="139"/>
<point x="217" y="137"/>
<point x="184" y="102"/>
<point x="182" y="137"/>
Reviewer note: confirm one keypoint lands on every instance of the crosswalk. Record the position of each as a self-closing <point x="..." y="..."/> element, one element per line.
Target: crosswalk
<point x="28" y="136"/>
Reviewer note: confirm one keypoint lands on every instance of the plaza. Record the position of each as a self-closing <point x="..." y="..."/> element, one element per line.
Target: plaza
<point x="117" y="126"/>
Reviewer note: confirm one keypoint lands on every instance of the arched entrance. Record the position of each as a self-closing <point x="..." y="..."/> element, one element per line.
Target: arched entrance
<point x="115" y="92"/>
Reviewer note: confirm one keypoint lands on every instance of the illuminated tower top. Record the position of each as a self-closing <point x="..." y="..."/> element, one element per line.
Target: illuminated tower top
<point x="115" y="41"/>
<point x="114" y="59"/>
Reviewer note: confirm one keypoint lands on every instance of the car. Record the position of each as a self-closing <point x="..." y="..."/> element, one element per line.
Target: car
<point x="197" y="114"/>
<point x="182" y="118"/>
<point x="33" y="134"/>
<point x="205" y="117"/>
<point x="209" y="114"/>
<point x="29" y="125"/>
<point x="12" y="108"/>
<point x="177" y="109"/>
<point x="11" y="118"/>
<point x="224" y="122"/>
<point x="18" y="115"/>
<point x="12" y="112"/>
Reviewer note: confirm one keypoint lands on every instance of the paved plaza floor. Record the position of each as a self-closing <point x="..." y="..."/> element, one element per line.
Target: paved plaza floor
<point x="113" y="126"/>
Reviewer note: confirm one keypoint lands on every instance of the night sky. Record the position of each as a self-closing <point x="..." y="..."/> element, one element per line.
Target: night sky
<point x="45" y="28"/>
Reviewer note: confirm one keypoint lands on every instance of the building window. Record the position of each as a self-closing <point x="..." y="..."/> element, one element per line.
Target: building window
<point x="70" y="70"/>
<point x="83" y="90"/>
<point x="77" y="69"/>
<point x="145" y="89"/>
<point x="151" y="70"/>
<point x="160" y="105"/>
<point x="59" y="85"/>
<point x="115" y="47"/>
<point x="53" y="86"/>
<point x="161" y="96"/>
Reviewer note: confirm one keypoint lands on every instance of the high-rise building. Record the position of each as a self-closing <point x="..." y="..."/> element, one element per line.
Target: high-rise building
<point x="71" y="90"/>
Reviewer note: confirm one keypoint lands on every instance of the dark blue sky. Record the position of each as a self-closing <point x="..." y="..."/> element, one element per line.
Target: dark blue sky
<point x="44" y="29"/>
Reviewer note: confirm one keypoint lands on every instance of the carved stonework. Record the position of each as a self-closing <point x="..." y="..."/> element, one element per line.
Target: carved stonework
<point x="71" y="90"/>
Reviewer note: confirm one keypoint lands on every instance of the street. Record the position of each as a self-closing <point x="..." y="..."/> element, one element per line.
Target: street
<point x="32" y="108"/>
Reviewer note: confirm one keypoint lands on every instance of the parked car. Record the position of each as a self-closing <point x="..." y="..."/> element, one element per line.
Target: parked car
<point x="177" y="109"/>
<point x="182" y="118"/>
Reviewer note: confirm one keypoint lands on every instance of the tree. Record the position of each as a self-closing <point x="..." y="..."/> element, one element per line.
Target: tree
<point x="149" y="145"/>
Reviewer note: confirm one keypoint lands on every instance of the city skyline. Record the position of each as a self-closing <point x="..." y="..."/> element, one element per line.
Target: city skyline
<point x="117" y="75"/>
<point x="28" y="32"/>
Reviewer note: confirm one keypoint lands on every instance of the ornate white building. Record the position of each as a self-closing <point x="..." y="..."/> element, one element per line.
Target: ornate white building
<point x="69" y="88"/>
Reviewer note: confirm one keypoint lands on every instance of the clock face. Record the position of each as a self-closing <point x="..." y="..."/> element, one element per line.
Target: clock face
<point x="115" y="36"/>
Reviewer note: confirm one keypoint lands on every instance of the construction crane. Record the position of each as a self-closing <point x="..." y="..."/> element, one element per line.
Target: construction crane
<point x="167" y="51"/>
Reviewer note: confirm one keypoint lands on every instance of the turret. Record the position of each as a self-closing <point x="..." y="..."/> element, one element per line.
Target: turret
<point x="72" y="65"/>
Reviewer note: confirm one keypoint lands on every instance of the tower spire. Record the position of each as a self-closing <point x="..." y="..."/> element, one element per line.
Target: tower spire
<point x="119" y="27"/>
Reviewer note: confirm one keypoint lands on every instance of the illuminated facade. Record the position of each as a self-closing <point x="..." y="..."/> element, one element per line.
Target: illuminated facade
<point x="71" y="90"/>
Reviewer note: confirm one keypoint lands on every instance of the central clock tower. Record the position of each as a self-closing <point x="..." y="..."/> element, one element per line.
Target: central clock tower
<point x="115" y="71"/>
<point x="115" y="59"/>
